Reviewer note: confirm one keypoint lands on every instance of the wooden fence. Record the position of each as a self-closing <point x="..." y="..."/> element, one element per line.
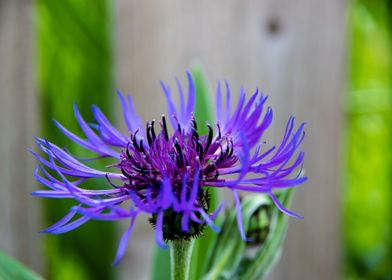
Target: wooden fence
<point x="19" y="213"/>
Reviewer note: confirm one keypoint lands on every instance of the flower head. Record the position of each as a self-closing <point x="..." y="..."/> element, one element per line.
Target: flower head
<point x="165" y="171"/>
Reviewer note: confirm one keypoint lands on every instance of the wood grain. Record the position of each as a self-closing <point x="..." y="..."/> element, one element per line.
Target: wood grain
<point x="19" y="218"/>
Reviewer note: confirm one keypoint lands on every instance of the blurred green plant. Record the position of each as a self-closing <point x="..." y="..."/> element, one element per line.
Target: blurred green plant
<point x="11" y="269"/>
<point x="74" y="65"/>
<point x="367" y="219"/>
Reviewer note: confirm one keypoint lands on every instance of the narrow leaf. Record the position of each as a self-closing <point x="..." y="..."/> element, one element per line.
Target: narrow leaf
<point x="12" y="269"/>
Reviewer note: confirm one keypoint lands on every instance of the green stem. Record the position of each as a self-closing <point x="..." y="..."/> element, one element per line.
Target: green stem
<point x="180" y="256"/>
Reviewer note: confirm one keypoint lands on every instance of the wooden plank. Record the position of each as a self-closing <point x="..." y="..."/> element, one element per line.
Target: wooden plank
<point x="19" y="216"/>
<point x="292" y="50"/>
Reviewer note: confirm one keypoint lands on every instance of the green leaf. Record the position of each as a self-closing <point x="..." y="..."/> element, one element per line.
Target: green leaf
<point x="11" y="269"/>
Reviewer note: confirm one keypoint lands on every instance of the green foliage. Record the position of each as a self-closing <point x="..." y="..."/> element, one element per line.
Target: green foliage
<point x="74" y="65"/>
<point x="10" y="269"/>
<point x="367" y="197"/>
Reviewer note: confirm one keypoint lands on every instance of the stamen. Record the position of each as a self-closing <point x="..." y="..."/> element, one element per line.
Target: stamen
<point x="153" y="130"/>
<point x="231" y="148"/>
<point x="195" y="135"/>
<point x="210" y="167"/>
<point x="194" y="123"/>
<point x="209" y="139"/>
<point x="213" y="178"/>
<point x="141" y="148"/>
<point x="219" y="131"/>
<point x="134" y="142"/>
<point x="125" y="173"/>
<point x="199" y="149"/>
<point x="148" y="130"/>
<point x="140" y="170"/>
<point x="164" y="127"/>
<point x="111" y="183"/>
<point x="180" y="157"/>
<point x="128" y="153"/>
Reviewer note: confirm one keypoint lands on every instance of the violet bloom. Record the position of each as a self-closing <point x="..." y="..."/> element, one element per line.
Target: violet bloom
<point x="165" y="172"/>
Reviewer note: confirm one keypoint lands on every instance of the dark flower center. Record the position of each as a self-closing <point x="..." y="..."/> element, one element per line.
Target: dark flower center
<point x="178" y="158"/>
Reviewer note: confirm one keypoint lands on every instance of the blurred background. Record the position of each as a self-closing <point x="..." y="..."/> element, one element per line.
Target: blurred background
<point x="327" y="62"/>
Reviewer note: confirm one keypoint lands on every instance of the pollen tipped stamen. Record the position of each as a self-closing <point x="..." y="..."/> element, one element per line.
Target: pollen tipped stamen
<point x="148" y="133"/>
<point x="153" y="135"/>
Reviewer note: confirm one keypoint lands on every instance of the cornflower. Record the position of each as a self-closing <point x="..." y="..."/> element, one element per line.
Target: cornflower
<point x="167" y="171"/>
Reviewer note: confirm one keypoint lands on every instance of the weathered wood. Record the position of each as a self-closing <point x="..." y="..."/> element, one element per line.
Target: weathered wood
<point x="19" y="224"/>
<point x="292" y="50"/>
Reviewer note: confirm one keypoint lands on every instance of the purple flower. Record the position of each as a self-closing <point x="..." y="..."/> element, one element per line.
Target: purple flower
<point x="166" y="171"/>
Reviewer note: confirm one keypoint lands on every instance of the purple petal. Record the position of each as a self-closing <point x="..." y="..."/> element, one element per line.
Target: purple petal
<point x="191" y="97"/>
<point x="108" y="132"/>
<point x="208" y="220"/>
<point x="61" y="222"/>
<point x="159" y="231"/>
<point x="71" y="226"/>
<point x="185" y="222"/>
<point x="239" y="214"/>
<point x="170" y="105"/>
<point x="182" y="99"/>
<point x="132" y="120"/>
<point x="124" y="242"/>
<point x="281" y="207"/>
<point x="219" y="102"/>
